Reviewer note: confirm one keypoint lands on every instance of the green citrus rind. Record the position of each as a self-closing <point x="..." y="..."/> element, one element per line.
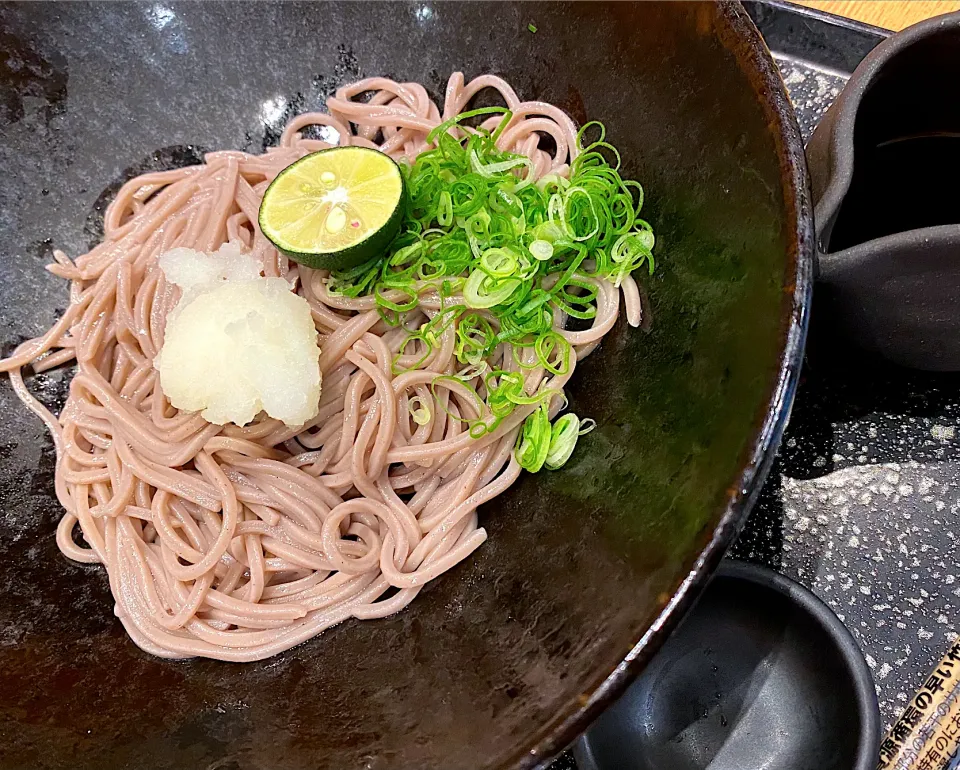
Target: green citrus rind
<point x="373" y="240"/>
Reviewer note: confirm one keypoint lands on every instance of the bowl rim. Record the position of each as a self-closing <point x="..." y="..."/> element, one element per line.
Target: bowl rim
<point x="741" y="38"/>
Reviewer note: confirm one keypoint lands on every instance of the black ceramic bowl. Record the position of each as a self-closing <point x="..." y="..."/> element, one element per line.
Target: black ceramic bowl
<point x="760" y="674"/>
<point x="504" y="660"/>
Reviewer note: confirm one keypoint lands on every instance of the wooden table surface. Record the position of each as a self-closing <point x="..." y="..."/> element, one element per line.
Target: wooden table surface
<point x="890" y="14"/>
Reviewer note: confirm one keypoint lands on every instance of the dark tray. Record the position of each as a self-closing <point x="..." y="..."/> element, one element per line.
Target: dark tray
<point x="862" y="498"/>
<point x="862" y="502"/>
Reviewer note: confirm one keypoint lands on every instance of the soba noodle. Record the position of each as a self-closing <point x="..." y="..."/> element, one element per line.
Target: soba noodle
<point x="236" y="543"/>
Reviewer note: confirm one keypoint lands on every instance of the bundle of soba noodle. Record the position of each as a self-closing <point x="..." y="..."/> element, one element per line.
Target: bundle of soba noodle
<point x="236" y="543"/>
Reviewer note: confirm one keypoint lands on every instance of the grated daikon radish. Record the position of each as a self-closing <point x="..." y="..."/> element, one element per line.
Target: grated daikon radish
<point x="236" y="343"/>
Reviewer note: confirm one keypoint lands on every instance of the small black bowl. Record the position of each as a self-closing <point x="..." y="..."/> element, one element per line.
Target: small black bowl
<point x="761" y="674"/>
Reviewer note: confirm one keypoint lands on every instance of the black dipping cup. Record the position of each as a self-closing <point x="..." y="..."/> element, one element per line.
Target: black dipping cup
<point x="760" y="675"/>
<point x="883" y="167"/>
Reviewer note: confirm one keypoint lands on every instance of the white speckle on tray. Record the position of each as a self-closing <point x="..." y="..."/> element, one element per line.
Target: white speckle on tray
<point x="942" y="432"/>
<point x="863" y="504"/>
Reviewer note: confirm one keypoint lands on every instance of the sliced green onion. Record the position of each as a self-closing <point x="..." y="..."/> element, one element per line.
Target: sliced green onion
<point x="553" y="353"/>
<point x="551" y="181"/>
<point x="478" y="402"/>
<point x="502" y="253"/>
<point x="482" y="291"/>
<point x="472" y="371"/>
<point x="419" y="411"/>
<point x="499" y="263"/>
<point x="506" y="201"/>
<point x="413" y="337"/>
<point x="445" y="209"/>
<point x="533" y="443"/>
<point x="490" y="169"/>
<point x="541" y="249"/>
<point x="563" y="438"/>
<point x="444" y="127"/>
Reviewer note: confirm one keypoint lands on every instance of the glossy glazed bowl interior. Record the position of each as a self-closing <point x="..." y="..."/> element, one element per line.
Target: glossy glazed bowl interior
<point x="503" y="661"/>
